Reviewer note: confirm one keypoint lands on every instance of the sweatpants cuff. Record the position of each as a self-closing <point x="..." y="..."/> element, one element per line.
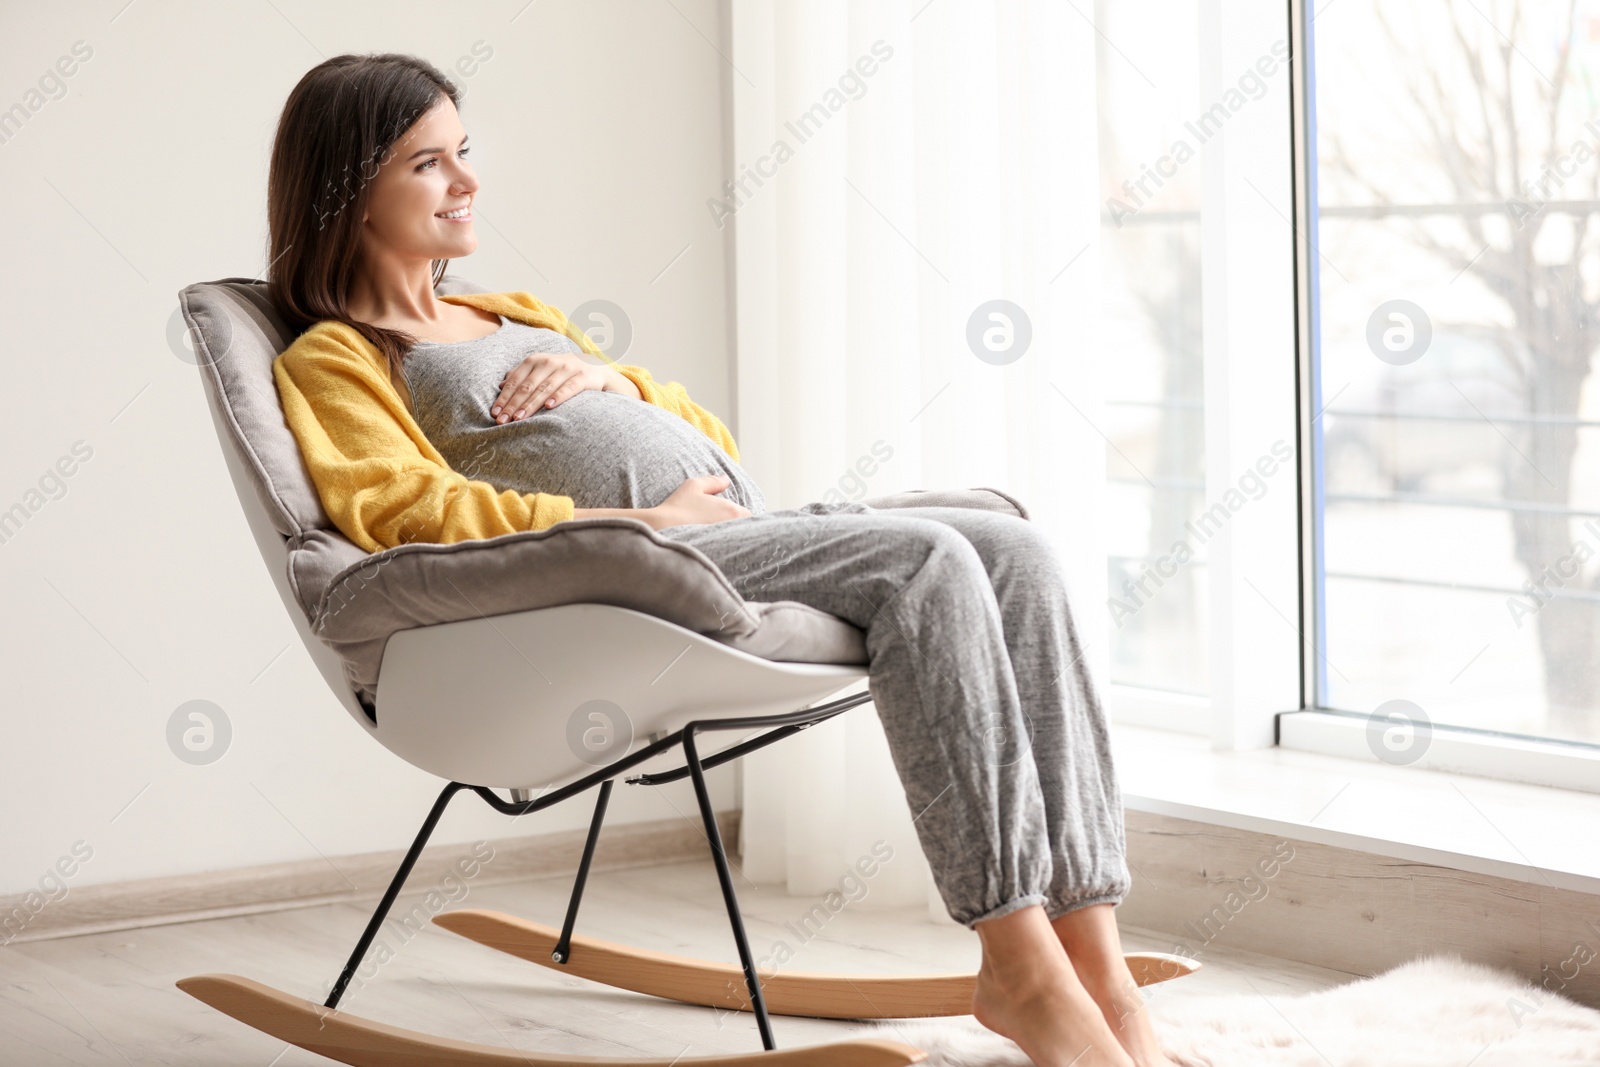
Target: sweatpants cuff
<point x="1004" y="909"/>
<point x="1113" y="896"/>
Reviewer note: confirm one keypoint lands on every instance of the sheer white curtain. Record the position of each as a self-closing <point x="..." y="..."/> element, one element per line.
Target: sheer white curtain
<point x="897" y="166"/>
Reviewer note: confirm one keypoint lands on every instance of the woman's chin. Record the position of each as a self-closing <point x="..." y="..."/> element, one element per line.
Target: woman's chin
<point x="462" y="246"/>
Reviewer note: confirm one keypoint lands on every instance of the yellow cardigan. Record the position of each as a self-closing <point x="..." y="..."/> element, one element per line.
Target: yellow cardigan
<point x="380" y="480"/>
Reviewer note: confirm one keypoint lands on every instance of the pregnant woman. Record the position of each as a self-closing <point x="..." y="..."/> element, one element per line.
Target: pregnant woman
<point x="444" y="419"/>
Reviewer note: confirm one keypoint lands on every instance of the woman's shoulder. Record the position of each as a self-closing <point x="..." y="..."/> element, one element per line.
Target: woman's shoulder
<point x="521" y="305"/>
<point x="330" y="328"/>
<point x="331" y="347"/>
<point x="519" y="297"/>
<point x="330" y="337"/>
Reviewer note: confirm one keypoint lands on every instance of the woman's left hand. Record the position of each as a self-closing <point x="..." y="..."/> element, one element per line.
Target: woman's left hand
<point x="547" y="378"/>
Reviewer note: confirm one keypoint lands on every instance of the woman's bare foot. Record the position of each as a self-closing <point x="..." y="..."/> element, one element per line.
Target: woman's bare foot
<point x="1028" y="991"/>
<point x="1089" y="936"/>
<point x="1123" y="1006"/>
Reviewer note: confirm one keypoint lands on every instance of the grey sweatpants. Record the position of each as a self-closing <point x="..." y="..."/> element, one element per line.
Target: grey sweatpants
<point x="974" y="665"/>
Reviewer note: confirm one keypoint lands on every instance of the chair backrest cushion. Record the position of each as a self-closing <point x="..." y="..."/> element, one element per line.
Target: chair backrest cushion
<point x="236" y="334"/>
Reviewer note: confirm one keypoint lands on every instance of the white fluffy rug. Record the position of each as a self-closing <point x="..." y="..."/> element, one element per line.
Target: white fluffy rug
<point x="1438" y="1011"/>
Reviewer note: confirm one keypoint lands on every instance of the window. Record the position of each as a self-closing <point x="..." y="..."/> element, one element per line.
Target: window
<point x="1391" y="312"/>
<point x="1457" y="305"/>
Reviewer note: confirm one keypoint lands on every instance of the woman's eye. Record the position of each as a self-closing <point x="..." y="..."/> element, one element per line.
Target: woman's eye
<point x="428" y="162"/>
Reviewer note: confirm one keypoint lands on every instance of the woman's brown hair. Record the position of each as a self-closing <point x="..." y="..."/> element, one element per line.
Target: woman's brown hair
<point x="338" y="125"/>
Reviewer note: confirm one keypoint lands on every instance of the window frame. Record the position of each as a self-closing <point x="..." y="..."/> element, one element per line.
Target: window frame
<point x="1248" y="324"/>
<point x="1266" y="614"/>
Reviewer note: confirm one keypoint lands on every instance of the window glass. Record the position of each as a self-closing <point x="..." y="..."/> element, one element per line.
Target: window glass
<point x="1458" y="445"/>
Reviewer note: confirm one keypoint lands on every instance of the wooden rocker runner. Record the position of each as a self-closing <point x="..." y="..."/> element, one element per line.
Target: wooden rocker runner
<point x="549" y="661"/>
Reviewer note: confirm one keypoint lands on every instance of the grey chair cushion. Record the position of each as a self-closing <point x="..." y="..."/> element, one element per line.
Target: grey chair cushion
<point x="354" y="601"/>
<point x="598" y="561"/>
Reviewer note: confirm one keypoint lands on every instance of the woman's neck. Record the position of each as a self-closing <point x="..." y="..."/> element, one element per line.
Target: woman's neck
<point x="396" y="296"/>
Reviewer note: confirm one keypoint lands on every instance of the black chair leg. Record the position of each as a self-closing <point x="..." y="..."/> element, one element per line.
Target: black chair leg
<point x="394" y="890"/>
<point x="752" y="981"/>
<point x="563" y="949"/>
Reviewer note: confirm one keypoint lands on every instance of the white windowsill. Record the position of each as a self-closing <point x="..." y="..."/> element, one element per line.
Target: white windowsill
<point x="1528" y="833"/>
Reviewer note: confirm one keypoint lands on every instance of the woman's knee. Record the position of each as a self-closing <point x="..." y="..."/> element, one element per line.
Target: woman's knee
<point x="925" y="530"/>
<point x="990" y="531"/>
<point x="1006" y="526"/>
<point x="1014" y="535"/>
<point x="935" y="544"/>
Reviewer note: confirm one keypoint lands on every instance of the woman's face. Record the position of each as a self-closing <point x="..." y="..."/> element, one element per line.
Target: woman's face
<point x="424" y="176"/>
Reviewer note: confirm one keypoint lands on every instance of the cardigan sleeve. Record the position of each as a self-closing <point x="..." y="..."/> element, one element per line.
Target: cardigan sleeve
<point x="379" y="479"/>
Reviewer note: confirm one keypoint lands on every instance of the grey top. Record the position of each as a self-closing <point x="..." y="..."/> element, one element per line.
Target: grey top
<point x="604" y="450"/>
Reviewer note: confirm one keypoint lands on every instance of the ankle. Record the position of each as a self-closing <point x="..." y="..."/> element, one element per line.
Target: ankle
<point x="1021" y="957"/>
<point x="1020" y="975"/>
<point x="1123" y="1005"/>
<point x="1106" y="978"/>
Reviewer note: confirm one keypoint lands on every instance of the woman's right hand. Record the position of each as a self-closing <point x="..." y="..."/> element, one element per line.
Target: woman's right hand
<point x="696" y="502"/>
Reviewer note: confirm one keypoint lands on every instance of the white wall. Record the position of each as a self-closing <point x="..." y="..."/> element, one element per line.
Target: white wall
<point x="598" y="131"/>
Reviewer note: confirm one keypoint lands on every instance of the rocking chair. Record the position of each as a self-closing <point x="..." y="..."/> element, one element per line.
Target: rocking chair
<point x="404" y="634"/>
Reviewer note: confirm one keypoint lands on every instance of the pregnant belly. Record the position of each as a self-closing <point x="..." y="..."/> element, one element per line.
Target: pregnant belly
<point x="604" y="450"/>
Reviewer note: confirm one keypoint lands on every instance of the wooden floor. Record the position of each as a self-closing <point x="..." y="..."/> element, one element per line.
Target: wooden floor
<point x="110" y="999"/>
